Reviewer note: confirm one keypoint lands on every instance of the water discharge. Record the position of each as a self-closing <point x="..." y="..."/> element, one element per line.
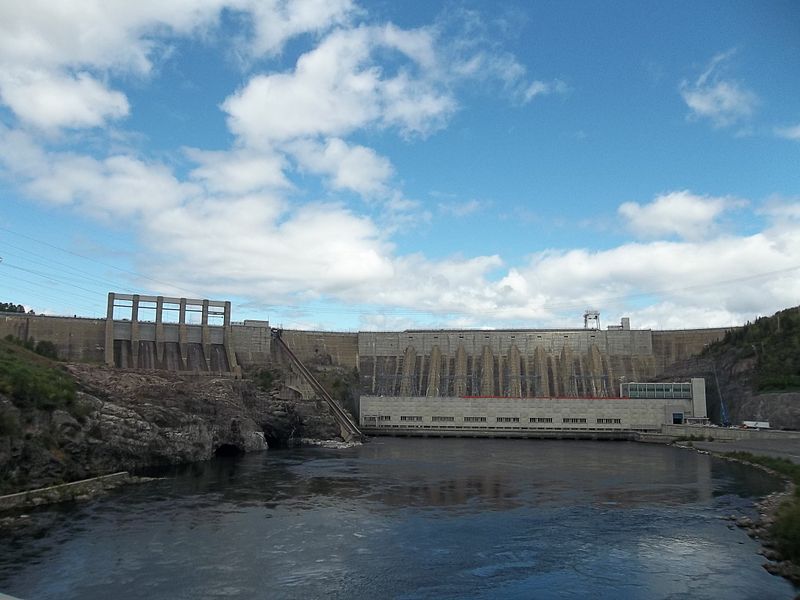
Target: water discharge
<point x="409" y="518"/>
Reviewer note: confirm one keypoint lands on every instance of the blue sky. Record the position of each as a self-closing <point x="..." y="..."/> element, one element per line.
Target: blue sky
<point x="379" y="165"/>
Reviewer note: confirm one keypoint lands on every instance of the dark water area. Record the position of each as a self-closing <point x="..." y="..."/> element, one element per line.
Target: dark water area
<point x="409" y="518"/>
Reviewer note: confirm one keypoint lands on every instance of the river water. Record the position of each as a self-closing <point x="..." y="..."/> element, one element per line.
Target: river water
<point x="408" y="518"/>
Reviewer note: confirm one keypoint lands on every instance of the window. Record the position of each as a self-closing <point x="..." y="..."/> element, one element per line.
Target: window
<point x="609" y="421"/>
<point x="474" y="419"/>
<point x="508" y="419"/>
<point x="541" y="419"/>
<point x="385" y="418"/>
<point x="439" y="419"/>
<point x="410" y="418"/>
<point x="573" y="420"/>
<point x="677" y="418"/>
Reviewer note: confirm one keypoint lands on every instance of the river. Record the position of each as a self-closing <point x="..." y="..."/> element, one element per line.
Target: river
<point x="408" y="518"/>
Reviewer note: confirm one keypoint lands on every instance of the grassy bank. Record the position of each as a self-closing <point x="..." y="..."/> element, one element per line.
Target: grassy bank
<point x="785" y="531"/>
<point x="32" y="382"/>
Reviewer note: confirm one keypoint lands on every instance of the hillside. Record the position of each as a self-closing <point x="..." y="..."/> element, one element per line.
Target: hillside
<point x="774" y="345"/>
<point x="754" y="371"/>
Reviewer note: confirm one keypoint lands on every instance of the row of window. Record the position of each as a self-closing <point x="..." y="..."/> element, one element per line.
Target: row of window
<point x="440" y="419"/>
<point x="657" y="390"/>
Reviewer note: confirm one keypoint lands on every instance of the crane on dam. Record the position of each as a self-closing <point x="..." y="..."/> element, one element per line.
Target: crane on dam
<point x="349" y="430"/>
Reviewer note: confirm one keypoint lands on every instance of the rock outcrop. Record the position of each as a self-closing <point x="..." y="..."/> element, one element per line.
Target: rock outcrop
<point x="125" y="420"/>
<point x="730" y="379"/>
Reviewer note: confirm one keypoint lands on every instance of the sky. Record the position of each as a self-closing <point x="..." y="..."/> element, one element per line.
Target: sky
<point x="363" y="165"/>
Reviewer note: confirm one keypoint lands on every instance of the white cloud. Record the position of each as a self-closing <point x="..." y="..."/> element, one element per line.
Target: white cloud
<point x="276" y="21"/>
<point x="258" y="246"/>
<point x="239" y="171"/>
<point x="791" y="132"/>
<point x="355" y="168"/>
<point x="53" y="55"/>
<point x="781" y="210"/>
<point x="724" y="102"/>
<point x="544" y="88"/>
<point x="52" y="100"/>
<point x="679" y="213"/>
<point x="338" y="87"/>
<point x="119" y="186"/>
<point x="232" y="227"/>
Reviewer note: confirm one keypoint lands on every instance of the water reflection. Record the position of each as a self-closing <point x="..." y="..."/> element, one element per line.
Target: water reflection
<point x="407" y="518"/>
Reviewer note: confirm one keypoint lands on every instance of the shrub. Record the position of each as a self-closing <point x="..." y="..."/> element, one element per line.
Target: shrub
<point x="9" y="424"/>
<point x="265" y="379"/>
<point x="46" y="349"/>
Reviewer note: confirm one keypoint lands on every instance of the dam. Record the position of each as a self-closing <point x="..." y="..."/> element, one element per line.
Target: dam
<point x="541" y="373"/>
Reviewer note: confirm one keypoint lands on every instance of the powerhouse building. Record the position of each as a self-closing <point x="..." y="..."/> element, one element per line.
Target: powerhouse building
<point x="642" y="407"/>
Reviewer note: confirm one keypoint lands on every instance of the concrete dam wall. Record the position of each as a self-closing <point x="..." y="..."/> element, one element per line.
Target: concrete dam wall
<point x="432" y="363"/>
<point x="519" y="363"/>
<point x="75" y="338"/>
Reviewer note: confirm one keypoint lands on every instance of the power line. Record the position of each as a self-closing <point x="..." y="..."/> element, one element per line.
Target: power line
<point x="99" y="262"/>
<point x="50" y="261"/>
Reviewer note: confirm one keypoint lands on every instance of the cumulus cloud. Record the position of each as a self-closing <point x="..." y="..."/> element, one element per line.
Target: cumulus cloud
<point x="231" y="224"/>
<point x="356" y="168"/>
<point x="338" y="87"/>
<point x="257" y="245"/>
<point x="723" y="101"/>
<point x="53" y="100"/>
<point x="53" y="55"/>
<point x="259" y="248"/>
<point x="276" y="21"/>
<point x="238" y="171"/>
<point x="681" y="213"/>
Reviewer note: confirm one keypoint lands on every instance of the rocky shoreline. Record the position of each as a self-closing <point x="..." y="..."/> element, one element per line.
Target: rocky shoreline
<point x="130" y="420"/>
<point x="760" y="528"/>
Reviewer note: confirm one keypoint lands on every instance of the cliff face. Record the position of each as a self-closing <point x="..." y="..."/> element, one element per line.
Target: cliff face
<point x="122" y="420"/>
<point x="758" y="370"/>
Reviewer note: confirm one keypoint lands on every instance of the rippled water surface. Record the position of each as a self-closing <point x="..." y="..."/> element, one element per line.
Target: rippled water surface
<point x="408" y="518"/>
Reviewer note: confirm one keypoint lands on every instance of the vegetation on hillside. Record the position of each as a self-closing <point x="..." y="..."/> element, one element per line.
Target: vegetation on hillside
<point x="774" y="343"/>
<point x="32" y="382"/>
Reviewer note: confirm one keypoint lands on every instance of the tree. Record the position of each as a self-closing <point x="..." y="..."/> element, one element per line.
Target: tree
<point x="11" y="307"/>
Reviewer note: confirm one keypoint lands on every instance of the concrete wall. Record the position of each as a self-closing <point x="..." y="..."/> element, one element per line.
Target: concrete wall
<point x="633" y="414"/>
<point x="514" y="363"/>
<point x="76" y="339"/>
<point x="722" y="434"/>
<point x="251" y="342"/>
<point x="324" y="347"/>
<point x="520" y="363"/>
<point x="670" y="347"/>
